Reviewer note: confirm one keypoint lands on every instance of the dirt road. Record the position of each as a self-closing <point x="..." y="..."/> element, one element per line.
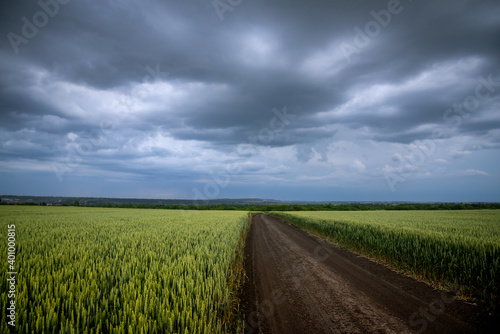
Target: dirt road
<point x="298" y="283"/>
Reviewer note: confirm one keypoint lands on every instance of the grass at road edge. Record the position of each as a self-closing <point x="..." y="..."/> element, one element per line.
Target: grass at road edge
<point x="232" y="313"/>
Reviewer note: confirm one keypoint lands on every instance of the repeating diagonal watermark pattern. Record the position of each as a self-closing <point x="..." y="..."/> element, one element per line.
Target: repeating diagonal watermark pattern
<point x="154" y="74"/>
<point x="408" y="164"/>
<point x="31" y="27"/>
<point x="222" y="178"/>
<point x="221" y="7"/>
<point x="296" y="275"/>
<point x="421" y="319"/>
<point x="79" y="147"/>
<point x="372" y="29"/>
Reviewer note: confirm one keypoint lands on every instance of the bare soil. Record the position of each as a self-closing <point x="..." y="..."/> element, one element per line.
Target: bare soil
<point x="298" y="283"/>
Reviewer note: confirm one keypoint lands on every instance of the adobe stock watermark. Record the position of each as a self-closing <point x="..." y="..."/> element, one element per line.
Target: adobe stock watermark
<point x="372" y="29"/>
<point x="222" y="178"/>
<point x="30" y="28"/>
<point x="154" y="74"/>
<point x="295" y="275"/>
<point x="127" y="101"/>
<point x="79" y="147"/>
<point x="421" y="319"/>
<point x="408" y="164"/>
<point x="223" y="6"/>
<point x="12" y="271"/>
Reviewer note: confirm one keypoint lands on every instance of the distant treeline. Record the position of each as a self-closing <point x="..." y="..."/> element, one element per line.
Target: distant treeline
<point x="295" y="207"/>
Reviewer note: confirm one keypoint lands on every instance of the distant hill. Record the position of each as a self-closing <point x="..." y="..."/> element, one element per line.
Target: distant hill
<point x="101" y="201"/>
<point x="246" y="204"/>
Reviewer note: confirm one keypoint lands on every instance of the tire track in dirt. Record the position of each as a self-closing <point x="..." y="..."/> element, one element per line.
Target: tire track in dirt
<point x="298" y="283"/>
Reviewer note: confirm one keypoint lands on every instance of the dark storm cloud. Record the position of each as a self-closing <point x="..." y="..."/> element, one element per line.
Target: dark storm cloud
<point x="169" y="72"/>
<point x="110" y="44"/>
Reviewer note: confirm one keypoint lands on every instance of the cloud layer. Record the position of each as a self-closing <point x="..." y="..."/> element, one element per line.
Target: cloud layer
<point x="317" y="100"/>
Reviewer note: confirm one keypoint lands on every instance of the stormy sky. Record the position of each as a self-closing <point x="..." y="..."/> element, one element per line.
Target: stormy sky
<point x="292" y="100"/>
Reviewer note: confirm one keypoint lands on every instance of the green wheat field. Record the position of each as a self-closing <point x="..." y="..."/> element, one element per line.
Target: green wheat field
<point x="108" y="270"/>
<point x="97" y="270"/>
